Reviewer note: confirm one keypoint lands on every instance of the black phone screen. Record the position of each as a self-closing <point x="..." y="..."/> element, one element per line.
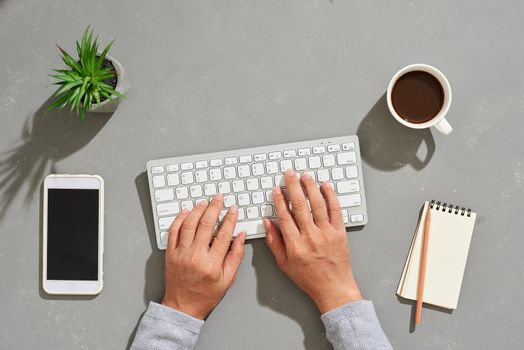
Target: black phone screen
<point x="72" y="234"/>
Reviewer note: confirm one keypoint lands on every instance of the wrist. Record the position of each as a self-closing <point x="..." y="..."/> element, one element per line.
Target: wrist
<point x="188" y="310"/>
<point x="338" y="297"/>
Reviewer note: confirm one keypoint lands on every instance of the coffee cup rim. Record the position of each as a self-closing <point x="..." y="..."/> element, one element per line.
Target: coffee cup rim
<point x="445" y="86"/>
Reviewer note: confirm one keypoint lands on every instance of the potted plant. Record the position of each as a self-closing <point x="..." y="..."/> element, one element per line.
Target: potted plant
<point x="94" y="82"/>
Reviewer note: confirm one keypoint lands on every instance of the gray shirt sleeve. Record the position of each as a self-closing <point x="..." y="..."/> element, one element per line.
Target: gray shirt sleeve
<point x="355" y="326"/>
<point x="163" y="328"/>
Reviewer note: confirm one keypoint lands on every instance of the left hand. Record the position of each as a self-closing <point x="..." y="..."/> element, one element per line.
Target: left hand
<point x="198" y="275"/>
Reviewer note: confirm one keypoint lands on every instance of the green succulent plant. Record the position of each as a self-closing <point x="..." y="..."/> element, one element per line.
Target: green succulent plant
<point x="82" y="84"/>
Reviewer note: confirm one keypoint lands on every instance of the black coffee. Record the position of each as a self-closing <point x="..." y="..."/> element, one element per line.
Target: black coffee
<point x="417" y="97"/>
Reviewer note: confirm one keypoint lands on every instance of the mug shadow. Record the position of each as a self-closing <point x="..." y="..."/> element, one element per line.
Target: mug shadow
<point x="46" y="139"/>
<point x="387" y="145"/>
<point x="155" y="264"/>
<point x="278" y="293"/>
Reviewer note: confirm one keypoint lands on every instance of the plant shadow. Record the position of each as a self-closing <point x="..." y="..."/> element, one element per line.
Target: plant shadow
<point x="46" y="139"/>
<point x="278" y="293"/>
<point x="387" y="145"/>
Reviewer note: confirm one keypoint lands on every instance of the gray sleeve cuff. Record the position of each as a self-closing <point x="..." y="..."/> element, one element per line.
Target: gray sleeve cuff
<point x="174" y="317"/>
<point x="355" y="309"/>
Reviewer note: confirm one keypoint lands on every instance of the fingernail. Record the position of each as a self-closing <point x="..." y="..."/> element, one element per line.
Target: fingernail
<point x="203" y="204"/>
<point x="218" y="196"/>
<point x="244" y="234"/>
<point x="290" y="172"/>
<point x="184" y="211"/>
<point x="306" y="176"/>
<point x="277" y="190"/>
<point x="233" y="209"/>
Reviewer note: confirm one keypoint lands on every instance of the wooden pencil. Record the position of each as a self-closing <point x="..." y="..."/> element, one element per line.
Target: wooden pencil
<point x="422" y="270"/>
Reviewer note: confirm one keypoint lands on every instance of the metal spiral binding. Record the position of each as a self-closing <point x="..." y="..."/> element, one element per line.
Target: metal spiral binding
<point x="450" y="208"/>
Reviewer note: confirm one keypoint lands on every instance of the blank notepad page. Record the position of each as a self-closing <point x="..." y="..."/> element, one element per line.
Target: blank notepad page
<point x="449" y="239"/>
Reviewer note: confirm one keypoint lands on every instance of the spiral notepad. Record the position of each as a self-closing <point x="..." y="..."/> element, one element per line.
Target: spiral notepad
<point x="451" y="230"/>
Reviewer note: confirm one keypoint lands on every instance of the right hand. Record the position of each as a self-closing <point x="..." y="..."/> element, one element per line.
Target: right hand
<point x="311" y="245"/>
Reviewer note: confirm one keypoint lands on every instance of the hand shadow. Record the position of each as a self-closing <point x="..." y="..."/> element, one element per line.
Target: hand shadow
<point x="155" y="265"/>
<point x="386" y="144"/>
<point x="46" y="139"/>
<point x="277" y="292"/>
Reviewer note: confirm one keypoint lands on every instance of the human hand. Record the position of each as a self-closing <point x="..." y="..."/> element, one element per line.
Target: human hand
<point x="198" y="275"/>
<point x="311" y="245"/>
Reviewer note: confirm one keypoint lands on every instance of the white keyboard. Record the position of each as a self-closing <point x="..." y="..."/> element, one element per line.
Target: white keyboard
<point x="247" y="176"/>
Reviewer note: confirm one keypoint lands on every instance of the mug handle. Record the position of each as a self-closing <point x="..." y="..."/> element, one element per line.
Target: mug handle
<point x="444" y="127"/>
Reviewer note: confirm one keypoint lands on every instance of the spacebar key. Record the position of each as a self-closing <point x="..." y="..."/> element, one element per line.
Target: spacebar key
<point x="351" y="200"/>
<point x="251" y="227"/>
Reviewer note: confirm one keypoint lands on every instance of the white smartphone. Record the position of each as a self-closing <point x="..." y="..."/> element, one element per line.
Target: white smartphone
<point x="73" y="234"/>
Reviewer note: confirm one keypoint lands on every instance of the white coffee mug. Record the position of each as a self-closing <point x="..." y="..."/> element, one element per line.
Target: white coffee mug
<point x="439" y="121"/>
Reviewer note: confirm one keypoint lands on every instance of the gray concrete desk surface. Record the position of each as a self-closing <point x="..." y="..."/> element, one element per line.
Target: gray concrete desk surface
<point x="216" y="75"/>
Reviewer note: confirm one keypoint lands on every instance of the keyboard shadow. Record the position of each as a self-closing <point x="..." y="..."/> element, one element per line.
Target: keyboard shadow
<point x="278" y="293"/>
<point x="387" y="145"/>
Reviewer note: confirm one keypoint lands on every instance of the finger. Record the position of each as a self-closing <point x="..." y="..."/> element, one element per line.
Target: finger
<point x="275" y="242"/>
<point x="335" y="214"/>
<point x="299" y="205"/>
<point x="207" y="223"/>
<point x="190" y="224"/>
<point x="174" y="229"/>
<point x="316" y="200"/>
<point x="287" y="224"/>
<point x="234" y="257"/>
<point x="224" y="235"/>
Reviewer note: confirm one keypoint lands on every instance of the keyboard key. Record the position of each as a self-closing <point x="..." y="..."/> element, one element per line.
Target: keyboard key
<point x="337" y="173"/>
<point x="187" y="205"/>
<point x="300" y="164"/>
<point x="351" y="171"/>
<point x="328" y="160"/>
<point x="348" y="146"/>
<point x="163" y="237"/>
<point x="224" y="187"/>
<point x="286" y="164"/>
<point x="164" y="223"/>
<point x="290" y="153"/>
<point x="304" y="152"/>
<point x="314" y="162"/>
<point x="272" y="167"/>
<point x="280" y="181"/>
<point x="348" y="186"/>
<point x="210" y="189"/>
<point x="312" y="174"/>
<point x="215" y="174"/>
<point x="244" y="171"/>
<point x="230" y="173"/>
<point x="198" y="201"/>
<point x="246" y="159"/>
<point x="266" y="210"/>
<point x="187" y="178"/>
<point x="172" y="168"/>
<point x="238" y="186"/>
<point x="157" y="170"/>
<point x="260" y="157"/>
<point x="350" y="200"/>
<point x="323" y="175"/>
<point x="230" y="160"/>
<point x="181" y="192"/>
<point x="196" y="191"/>
<point x="333" y="148"/>
<point x="159" y="181"/>
<point x="201" y="164"/>
<point x="244" y="199"/>
<point x="241" y="214"/>
<point x="167" y="208"/>
<point x="201" y="176"/>
<point x="319" y="150"/>
<point x="229" y="200"/>
<point x="269" y="196"/>
<point x="257" y="197"/>
<point x="357" y="218"/>
<point x="346" y="158"/>
<point x="173" y="180"/>
<point x="266" y="182"/>
<point x="186" y="166"/>
<point x="258" y="169"/>
<point x="252" y="212"/>
<point x="252" y="184"/>
<point x="164" y="195"/>
<point x="275" y="155"/>
<point x="216" y="162"/>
